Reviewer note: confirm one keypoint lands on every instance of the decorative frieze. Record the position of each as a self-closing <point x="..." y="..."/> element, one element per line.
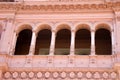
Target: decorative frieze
<point x="60" y="7"/>
<point x="61" y="74"/>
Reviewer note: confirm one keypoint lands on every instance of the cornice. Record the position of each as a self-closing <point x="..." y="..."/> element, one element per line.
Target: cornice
<point x="59" y="7"/>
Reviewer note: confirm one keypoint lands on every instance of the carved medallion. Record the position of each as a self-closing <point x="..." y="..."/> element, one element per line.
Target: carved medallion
<point x="79" y="74"/>
<point x="55" y="74"/>
<point x="31" y="74"/>
<point x="23" y="75"/>
<point x="63" y="74"/>
<point x="72" y="74"/>
<point x="39" y="75"/>
<point x="7" y="75"/>
<point x="15" y="74"/>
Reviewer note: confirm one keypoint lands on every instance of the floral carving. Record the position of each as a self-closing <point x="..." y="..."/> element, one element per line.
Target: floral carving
<point x="63" y="74"/>
<point x="55" y="7"/>
<point x="31" y="74"/>
<point x="23" y="75"/>
<point x="55" y="74"/>
<point x="113" y="75"/>
<point x="79" y="74"/>
<point x="7" y="75"/>
<point x="96" y="75"/>
<point x="15" y="74"/>
<point x="88" y="74"/>
<point x="39" y="74"/>
<point x="105" y="75"/>
<point x="72" y="74"/>
<point x="47" y="74"/>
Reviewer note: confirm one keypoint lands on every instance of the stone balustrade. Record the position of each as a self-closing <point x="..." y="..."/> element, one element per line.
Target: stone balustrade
<point x="77" y="61"/>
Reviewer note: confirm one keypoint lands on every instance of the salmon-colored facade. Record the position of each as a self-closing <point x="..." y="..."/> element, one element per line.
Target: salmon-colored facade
<point x="60" y="40"/>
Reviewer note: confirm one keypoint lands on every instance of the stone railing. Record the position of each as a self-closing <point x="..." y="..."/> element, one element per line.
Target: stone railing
<point x="60" y="61"/>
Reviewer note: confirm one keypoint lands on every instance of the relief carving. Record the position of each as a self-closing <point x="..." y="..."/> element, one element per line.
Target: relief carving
<point x="61" y="74"/>
<point x="67" y="7"/>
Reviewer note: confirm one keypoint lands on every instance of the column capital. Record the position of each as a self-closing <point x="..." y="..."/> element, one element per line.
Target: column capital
<point x="112" y="30"/>
<point x="72" y="30"/>
<point x="34" y="31"/>
<point x="92" y="30"/>
<point x="54" y="31"/>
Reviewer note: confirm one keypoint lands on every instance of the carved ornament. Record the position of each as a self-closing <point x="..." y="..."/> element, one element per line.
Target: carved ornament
<point x="59" y="7"/>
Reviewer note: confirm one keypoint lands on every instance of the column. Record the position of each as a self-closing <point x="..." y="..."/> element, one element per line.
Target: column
<point x="92" y="42"/>
<point x="33" y="42"/>
<point x="72" y="46"/>
<point x="113" y="42"/>
<point x="52" y="45"/>
<point x="15" y="36"/>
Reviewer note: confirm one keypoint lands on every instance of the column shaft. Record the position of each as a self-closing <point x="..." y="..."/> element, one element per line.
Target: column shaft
<point x="92" y="43"/>
<point x="33" y="42"/>
<point x="72" y="46"/>
<point x="13" y="43"/>
<point x="113" y="43"/>
<point x="52" y="45"/>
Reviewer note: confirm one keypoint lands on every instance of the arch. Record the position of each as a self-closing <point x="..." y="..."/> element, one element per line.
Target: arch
<point x="62" y="26"/>
<point x="103" y="41"/>
<point x="43" y="42"/>
<point x="103" y="25"/>
<point x="42" y="26"/>
<point x="82" y="42"/>
<point x="62" y="45"/>
<point x="82" y="26"/>
<point x="23" y="42"/>
<point x="23" y="26"/>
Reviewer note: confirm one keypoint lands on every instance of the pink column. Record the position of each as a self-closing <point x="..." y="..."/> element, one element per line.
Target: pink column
<point x="33" y="42"/>
<point x="92" y="42"/>
<point x="72" y="46"/>
<point x="52" y="45"/>
<point x="15" y="36"/>
<point x="113" y="42"/>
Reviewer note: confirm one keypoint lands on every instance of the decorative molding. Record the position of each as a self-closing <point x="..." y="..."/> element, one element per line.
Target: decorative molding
<point x="60" y="7"/>
<point x="61" y="74"/>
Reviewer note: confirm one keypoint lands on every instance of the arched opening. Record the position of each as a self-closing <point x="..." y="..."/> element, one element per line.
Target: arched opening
<point x="43" y="42"/>
<point x="63" y="39"/>
<point x="103" y="42"/>
<point x="23" y="42"/>
<point x="82" y="42"/>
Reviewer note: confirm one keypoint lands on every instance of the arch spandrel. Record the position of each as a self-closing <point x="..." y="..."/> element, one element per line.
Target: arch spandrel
<point x="82" y="26"/>
<point x="60" y="26"/>
<point x="42" y="26"/>
<point x="21" y="27"/>
<point x="104" y="26"/>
